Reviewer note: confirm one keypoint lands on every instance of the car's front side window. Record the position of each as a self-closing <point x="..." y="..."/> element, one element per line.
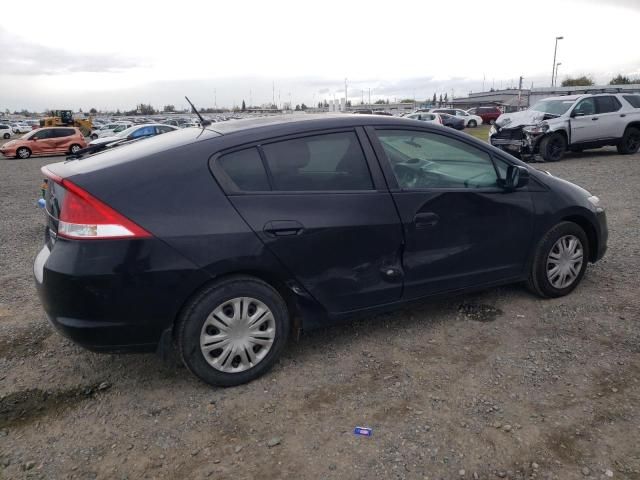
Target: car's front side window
<point x="585" y="107"/>
<point x="423" y="160"/>
<point x="332" y="161"/>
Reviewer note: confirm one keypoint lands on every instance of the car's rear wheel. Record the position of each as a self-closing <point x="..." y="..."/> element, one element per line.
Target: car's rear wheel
<point x="233" y="332"/>
<point x="74" y="148"/>
<point x="630" y="142"/>
<point x="94" y="136"/>
<point x="6" y="136"/>
<point x="492" y="121"/>
<point x="472" y="124"/>
<point x="560" y="261"/>
<point x="552" y="147"/>
<point x="23" y="152"/>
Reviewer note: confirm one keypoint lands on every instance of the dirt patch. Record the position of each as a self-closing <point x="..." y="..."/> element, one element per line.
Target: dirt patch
<point x="26" y="406"/>
<point x="479" y="312"/>
<point x="25" y="343"/>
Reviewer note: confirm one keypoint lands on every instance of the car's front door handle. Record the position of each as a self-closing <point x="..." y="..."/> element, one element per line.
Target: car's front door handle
<point x="623" y="115"/>
<point x="426" y="219"/>
<point x="281" y="228"/>
<point x="594" y="118"/>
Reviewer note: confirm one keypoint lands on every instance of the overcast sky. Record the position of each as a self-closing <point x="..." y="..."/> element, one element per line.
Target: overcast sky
<point x="116" y="54"/>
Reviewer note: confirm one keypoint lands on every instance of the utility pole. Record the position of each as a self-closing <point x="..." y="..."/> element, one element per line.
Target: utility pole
<point x="215" y="99"/>
<point x="345" y="94"/>
<point x="369" y="96"/>
<point x="553" y="68"/>
<point x="520" y="91"/>
<point x="273" y="93"/>
<point x="556" y="76"/>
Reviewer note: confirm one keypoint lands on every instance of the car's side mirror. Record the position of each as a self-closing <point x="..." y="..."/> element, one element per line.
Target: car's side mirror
<point x="517" y="177"/>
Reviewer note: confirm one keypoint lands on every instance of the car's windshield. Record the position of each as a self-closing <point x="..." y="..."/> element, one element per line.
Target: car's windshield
<point x="554" y="107"/>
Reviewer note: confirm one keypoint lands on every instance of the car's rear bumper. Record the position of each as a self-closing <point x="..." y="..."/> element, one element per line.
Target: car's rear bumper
<point x="113" y="295"/>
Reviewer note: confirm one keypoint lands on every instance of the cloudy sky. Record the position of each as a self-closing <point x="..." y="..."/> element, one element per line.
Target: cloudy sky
<point x="116" y="54"/>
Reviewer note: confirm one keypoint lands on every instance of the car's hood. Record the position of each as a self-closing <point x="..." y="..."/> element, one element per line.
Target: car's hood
<point x="101" y="140"/>
<point x="517" y="119"/>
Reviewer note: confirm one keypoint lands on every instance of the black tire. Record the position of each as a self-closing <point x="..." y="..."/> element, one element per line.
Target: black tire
<point x="7" y="136"/>
<point x="192" y="320"/>
<point x="538" y="281"/>
<point x="94" y="136"/>
<point x="553" y="147"/>
<point x="74" y="148"/>
<point x="472" y="124"/>
<point x="23" y="153"/>
<point x="630" y="142"/>
<point x="492" y="121"/>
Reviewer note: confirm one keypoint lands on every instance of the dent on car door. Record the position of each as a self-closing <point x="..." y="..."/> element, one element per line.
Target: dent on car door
<point x="319" y="203"/>
<point x="461" y="228"/>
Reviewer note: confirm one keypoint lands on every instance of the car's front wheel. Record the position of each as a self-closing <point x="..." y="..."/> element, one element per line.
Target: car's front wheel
<point x="233" y="332"/>
<point x="7" y="136"/>
<point x="23" y="152"/>
<point x="74" y="148"/>
<point x="560" y="261"/>
<point x="472" y="124"/>
<point x="553" y="147"/>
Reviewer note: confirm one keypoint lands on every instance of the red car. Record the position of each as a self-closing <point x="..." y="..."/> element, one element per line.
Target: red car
<point x="45" y="141"/>
<point x="488" y="114"/>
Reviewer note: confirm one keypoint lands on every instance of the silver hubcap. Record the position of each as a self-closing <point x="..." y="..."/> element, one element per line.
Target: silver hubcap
<point x="75" y="148"/>
<point x="565" y="261"/>
<point x="23" y="153"/>
<point x="237" y="335"/>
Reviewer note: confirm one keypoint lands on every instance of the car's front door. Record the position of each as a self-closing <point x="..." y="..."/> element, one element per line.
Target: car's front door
<point x="43" y="141"/>
<point x="461" y="228"/>
<point x="585" y="125"/>
<point x="320" y="204"/>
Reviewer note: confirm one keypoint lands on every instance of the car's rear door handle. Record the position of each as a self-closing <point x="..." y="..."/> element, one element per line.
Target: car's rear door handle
<point x="594" y="118"/>
<point x="426" y="219"/>
<point x="623" y="114"/>
<point x="281" y="228"/>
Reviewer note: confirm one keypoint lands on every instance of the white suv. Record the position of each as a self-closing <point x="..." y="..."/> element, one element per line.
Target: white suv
<point x="573" y="122"/>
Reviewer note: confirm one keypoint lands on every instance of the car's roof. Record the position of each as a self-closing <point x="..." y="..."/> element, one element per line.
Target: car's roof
<point x="305" y="121"/>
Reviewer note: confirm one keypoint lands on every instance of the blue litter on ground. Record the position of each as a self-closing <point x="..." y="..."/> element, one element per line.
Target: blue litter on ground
<point x="364" y="431"/>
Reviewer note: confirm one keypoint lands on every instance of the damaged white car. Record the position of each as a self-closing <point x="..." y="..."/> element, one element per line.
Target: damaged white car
<point x="572" y="122"/>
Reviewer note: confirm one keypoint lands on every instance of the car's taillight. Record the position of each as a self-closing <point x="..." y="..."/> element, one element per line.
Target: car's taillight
<point x="82" y="216"/>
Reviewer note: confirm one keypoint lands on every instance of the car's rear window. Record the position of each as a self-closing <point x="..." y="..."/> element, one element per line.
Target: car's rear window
<point x="634" y="100"/>
<point x="333" y="161"/>
<point x="245" y="169"/>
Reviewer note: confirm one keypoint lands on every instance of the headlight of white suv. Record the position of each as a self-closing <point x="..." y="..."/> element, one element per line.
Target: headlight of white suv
<point x="536" y="129"/>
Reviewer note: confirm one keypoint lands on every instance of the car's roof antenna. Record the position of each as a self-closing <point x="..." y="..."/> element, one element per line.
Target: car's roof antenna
<point x="203" y="122"/>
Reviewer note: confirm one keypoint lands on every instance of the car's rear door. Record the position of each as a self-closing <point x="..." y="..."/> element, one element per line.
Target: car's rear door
<point x="320" y="204"/>
<point x="611" y="117"/>
<point x="461" y="228"/>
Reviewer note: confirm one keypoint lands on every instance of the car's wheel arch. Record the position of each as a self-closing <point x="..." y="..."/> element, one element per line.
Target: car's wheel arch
<point x="296" y="310"/>
<point x="581" y="218"/>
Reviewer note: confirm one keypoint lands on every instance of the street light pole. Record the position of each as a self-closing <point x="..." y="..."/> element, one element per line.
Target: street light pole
<point x="553" y="69"/>
<point x="556" y="76"/>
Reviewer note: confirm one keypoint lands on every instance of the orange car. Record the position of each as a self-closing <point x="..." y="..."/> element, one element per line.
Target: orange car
<point x="45" y="141"/>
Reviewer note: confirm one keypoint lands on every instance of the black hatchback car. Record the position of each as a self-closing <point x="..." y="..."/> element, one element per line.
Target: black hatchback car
<point x="223" y="241"/>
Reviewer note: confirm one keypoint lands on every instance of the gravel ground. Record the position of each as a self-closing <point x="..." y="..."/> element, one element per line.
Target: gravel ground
<point x="498" y="384"/>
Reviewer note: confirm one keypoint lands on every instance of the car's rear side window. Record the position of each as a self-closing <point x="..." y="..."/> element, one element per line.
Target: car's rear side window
<point x="634" y="100"/>
<point x="607" y="104"/>
<point x="332" y="161"/>
<point x="245" y="169"/>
